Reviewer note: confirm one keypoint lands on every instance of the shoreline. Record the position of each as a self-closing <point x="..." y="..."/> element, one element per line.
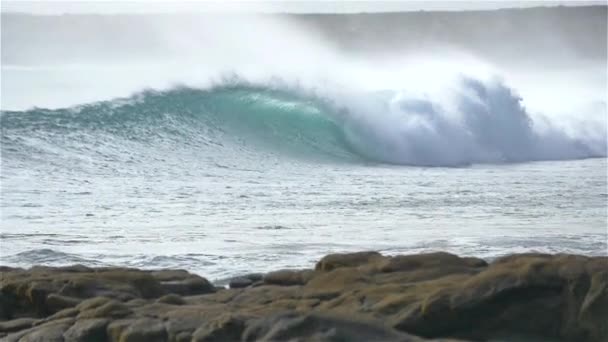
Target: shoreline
<point x="360" y="296"/>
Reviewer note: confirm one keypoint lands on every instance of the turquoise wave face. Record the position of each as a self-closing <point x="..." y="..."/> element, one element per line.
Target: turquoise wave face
<point x="485" y="123"/>
<point x="242" y="118"/>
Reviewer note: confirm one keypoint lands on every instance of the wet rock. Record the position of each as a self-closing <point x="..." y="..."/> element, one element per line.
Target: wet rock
<point x="254" y="277"/>
<point x="72" y="269"/>
<point x="475" y="262"/>
<point x="240" y="282"/>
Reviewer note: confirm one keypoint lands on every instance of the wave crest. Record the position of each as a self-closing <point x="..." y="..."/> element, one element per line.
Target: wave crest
<point x="470" y="121"/>
<point x="474" y="122"/>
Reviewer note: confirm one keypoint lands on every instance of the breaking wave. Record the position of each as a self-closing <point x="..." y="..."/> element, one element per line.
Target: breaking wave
<point x="471" y="121"/>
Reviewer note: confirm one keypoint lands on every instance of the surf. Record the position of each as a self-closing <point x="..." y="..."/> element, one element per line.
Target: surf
<point x="471" y="122"/>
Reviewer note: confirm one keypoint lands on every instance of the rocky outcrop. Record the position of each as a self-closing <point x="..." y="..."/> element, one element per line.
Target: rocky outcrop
<point x="347" y="297"/>
<point x="43" y="291"/>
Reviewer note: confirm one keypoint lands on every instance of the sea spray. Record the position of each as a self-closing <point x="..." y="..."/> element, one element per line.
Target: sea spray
<point x="470" y="121"/>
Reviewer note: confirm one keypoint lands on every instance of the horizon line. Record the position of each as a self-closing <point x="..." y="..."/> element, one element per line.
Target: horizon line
<point x="151" y="7"/>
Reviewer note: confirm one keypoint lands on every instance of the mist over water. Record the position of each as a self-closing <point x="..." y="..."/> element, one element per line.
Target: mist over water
<point x="174" y="108"/>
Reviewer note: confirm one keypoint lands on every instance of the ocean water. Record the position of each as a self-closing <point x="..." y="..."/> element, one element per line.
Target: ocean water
<point x="231" y="161"/>
<point x="241" y="179"/>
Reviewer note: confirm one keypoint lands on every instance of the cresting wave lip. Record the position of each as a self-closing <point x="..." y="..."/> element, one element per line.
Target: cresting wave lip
<point x="471" y="122"/>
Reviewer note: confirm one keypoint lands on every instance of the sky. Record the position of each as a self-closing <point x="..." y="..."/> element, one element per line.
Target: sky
<point x="49" y="7"/>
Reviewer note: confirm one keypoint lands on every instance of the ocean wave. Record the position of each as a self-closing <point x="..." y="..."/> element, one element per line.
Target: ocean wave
<point x="471" y="121"/>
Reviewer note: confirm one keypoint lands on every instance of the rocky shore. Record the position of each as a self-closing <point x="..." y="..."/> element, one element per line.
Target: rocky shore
<point x="347" y="297"/>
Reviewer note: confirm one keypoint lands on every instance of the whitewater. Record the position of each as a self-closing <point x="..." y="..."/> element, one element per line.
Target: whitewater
<point x="249" y="143"/>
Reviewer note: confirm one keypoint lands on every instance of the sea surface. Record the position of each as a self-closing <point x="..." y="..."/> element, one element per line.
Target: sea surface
<point x="229" y="144"/>
<point x="243" y="179"/>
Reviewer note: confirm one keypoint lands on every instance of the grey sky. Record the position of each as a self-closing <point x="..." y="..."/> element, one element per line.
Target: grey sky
<point x="153" y="6"/>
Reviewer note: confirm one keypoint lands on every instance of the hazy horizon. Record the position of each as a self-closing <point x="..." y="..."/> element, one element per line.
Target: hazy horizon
<point x="154" y="7"/>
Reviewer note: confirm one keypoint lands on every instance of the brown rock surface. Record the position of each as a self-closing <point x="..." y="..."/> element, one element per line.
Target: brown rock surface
<point x="347" y="297"/>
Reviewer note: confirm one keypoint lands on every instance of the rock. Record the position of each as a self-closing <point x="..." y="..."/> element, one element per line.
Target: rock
<point x="333" y="261"/>
<point x="65" y="313"/>
<point x="254" y="277"/>
<point x="7" y="304"/>
<point x="154" y="310"/>
<point x="144" y="330"/>
<point x="240" y="282"/>
<point x="524" y="295"/>
<point x="358" y="296"/>
<point x="137" y="302"/>
<point x="593" y="313"/>
<point x="181" y="329"/>
<point x="319" y="327"/>
<point x="4" y="269"/>
<point x="36" y="295"/>
<point x="49" y="332"/>
<point x="225" y="328"/>
<point x="441" y="260"/>
<point x="110" y="309"/>
<point x="244" y="281"/>
<point x="16" y="324"/>
<point x="41" y="291"/>
<point x="288" y="277"/>
<point x="171" y="275"/>
<point x="72" y="268"/>
<point x="188" y="287"/>
<point x="475" y="262"/>
<point x="16" y="336"/>
<point x="92" y="303"/>
<point x="139" y="284"/>
<point x="87" y="330"/>
<point x="115" y="329"/>
<point x="171" y="299"/>
<point x="55" y="302"/>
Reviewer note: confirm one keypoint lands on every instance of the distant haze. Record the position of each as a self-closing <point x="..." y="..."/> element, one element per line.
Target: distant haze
<point x="146" y="6"/>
